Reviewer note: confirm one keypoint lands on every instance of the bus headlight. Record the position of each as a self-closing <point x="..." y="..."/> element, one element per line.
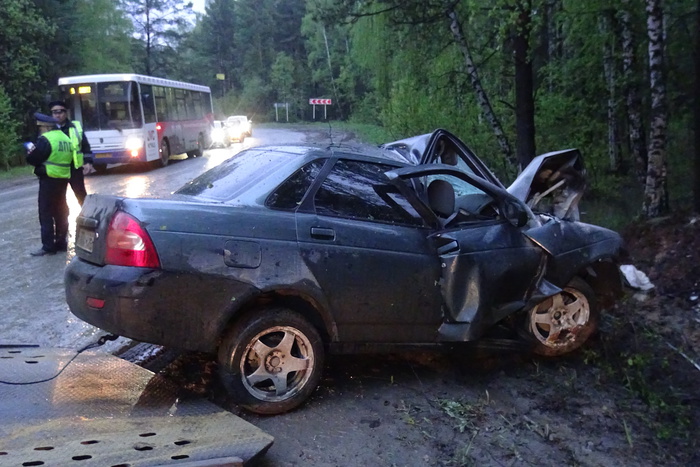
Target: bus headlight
<point x="133" y="145"/>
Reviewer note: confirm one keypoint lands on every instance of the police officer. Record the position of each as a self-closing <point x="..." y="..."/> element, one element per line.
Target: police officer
<point x="51" y="157"/>
<point x="82" y="158"/>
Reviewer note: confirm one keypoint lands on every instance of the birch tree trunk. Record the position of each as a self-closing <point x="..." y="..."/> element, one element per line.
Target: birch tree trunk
<point x="330" y="72"/>
<point x="607" y="30"/>
<point x="552" y="36"/>
<point x="656" y="190"/>
<point x="637" y="140"/>
<point x="481" y="96"/>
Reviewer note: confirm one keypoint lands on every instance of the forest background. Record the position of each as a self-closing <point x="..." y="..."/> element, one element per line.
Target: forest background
<point x="617" y="79"/>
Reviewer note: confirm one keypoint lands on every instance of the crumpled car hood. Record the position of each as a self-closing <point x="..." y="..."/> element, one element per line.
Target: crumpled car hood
<point x="553" y="183"/>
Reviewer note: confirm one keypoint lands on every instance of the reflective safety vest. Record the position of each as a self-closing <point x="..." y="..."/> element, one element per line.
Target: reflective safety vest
<point x="76" y="138"/>
<point x="58" y="163"/>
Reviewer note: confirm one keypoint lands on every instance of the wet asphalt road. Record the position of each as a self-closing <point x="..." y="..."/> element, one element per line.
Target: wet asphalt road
<point x="33" y="308"/>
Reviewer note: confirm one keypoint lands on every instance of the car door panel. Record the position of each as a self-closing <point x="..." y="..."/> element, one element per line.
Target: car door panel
<point x="488" y="271"/>
<point x="381" y="281"/>
<point x="489" y="267"/>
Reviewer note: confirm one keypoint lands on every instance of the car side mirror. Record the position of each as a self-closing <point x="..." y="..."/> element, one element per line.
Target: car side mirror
<point x="514" y="212"/>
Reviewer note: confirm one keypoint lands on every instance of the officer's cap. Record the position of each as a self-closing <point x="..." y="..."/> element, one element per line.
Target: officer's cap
<point x="53" y="104"/>
<point x="45" y="120"/>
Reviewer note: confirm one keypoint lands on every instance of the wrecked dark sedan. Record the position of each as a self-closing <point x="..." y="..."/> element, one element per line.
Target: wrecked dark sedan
<point x="285" y="253"/>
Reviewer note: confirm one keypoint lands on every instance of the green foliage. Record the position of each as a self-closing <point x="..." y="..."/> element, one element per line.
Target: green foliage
<point x="24" y="59"/>
<point x="282" y="77"/>
<point x="255" y="38"/>
<point x="159" y="25"/>
<point x="100" y="33"/>
<point x="211" y="48"/>
<point x="392" y="63"/>
<point x="18" y="171"/>
<point x="373" y="134"/>
<point x="251" y="101"/>
<point x="640" y="358"/>
<point x="681" y="132"/>
<point x="8" y="137"/>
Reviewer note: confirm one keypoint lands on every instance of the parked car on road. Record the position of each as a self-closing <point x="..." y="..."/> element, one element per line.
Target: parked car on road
<point x="285" y="253"/>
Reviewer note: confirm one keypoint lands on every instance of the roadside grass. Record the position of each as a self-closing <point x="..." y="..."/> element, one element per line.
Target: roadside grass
<point x="466" y="418"/>
<point x="15" y="172"/>
<point x="368" y="133"/>
<point x="636" y="357"/>
<point x="373" y="134"/>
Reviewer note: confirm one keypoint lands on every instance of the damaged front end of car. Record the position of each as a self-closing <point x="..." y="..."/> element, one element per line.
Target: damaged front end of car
<point x="519" y="254"/>
<point x="582" y="267"/>
<point x="553" y="183"/>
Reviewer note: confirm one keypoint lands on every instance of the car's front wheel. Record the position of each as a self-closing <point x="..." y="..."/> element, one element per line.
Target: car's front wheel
<point x="564" y="322"/>
<point x="271" y="361"/>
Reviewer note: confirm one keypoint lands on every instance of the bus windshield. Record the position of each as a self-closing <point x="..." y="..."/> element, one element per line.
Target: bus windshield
<point x="111" y="105"/>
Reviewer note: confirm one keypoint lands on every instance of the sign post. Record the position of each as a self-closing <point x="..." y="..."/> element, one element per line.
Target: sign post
<point x="221" y="77"/>
<point x="324" y="102"/>
<point x="285" y="105"/>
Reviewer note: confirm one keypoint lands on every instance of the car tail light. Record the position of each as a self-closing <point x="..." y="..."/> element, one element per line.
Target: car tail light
<point x="93" y="302"/>
<point x="128" y="244"/>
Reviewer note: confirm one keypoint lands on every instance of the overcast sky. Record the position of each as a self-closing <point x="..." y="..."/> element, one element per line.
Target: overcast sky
<point x="198" y="5"/>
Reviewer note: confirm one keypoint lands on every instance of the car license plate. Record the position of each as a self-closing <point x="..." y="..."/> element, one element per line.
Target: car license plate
<point x="85" y="240"/>
<point x="102" y="155"/>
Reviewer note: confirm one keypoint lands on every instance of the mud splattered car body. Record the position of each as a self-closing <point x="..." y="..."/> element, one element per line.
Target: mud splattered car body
<point x="284" y="253"/>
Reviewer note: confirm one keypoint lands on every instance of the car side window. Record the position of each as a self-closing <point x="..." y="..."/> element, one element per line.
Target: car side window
<point x="360" y="190"/>
<point x="460" y="186"/>
<point x="466" y="201"/>
<point x="290" y="192"/>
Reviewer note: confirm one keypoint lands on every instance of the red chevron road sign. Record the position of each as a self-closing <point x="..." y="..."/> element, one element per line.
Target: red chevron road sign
<point x="320" y="101"/>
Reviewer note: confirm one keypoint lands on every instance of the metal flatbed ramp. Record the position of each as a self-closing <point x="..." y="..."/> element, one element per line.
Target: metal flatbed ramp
<point x="104" y="411"/>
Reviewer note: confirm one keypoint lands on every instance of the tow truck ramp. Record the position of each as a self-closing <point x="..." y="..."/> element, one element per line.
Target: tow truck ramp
<point x="104" y="411"/>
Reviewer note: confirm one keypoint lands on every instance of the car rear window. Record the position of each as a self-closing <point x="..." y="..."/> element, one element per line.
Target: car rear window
<point x="289" y="194"/>
<point x="235" y="175"/>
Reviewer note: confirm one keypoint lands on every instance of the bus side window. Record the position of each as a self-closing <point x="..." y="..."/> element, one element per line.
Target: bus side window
<point x="134" y="106"/>
<point x="149" y="110"/>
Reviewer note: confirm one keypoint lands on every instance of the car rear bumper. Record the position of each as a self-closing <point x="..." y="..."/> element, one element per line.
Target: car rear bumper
<point x="183" y="311"/>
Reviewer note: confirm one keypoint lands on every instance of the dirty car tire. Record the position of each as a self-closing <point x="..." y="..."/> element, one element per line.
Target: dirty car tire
<point x="564" y="322"/>
<point x="271" y="361"/>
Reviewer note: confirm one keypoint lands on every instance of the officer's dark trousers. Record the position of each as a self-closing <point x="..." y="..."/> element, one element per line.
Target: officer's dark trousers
<point x="53" y="213"/>
<point x="77" y="184"/>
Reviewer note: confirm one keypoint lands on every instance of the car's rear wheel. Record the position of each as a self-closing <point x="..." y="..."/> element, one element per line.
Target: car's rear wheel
<point x="271" y="361"/>
<point x="564" y="322"/>
<point x="200" y="148"/>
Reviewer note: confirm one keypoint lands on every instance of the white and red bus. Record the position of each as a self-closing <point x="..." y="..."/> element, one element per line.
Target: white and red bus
<point x="131" y="118"/>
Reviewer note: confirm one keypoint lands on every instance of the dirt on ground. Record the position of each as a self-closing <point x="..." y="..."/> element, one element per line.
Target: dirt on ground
<point x="630" y="397"/>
